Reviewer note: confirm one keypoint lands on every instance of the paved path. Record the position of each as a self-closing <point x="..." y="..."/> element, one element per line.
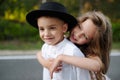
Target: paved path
<point x="17" y="52"/>
<point x="33" y="52"/>
<point x="22" y="65"/>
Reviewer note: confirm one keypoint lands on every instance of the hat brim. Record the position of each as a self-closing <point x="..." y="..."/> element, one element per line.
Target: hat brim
<point x="32" y="17"/>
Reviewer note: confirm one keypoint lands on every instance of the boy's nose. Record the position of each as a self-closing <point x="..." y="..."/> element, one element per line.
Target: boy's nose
<point x="47" y="32"/>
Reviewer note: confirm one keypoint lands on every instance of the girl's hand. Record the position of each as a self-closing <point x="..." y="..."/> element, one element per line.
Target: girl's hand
<point x="49" y="63"/>
<point x="44" y="62"/>
<point x="56" y="66"/>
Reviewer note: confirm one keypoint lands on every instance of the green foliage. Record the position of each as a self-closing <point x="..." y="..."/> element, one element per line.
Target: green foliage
<point x="13" y="13"/>
<point x="12" y="20"/>
<point x="11" y="30"/>
<point x="16" y="9"/>
<point x="116" y="45"/>
<point x="71" y="5"/>
<point x="116" y="32"/>
<point x="20" y="45"/>
<point x="109" y="7"/>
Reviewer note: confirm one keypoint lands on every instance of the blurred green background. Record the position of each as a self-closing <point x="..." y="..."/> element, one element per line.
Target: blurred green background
<point x="17" y="34"/>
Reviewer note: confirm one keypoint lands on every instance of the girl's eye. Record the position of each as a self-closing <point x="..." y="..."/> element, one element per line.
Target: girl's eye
<point x="79" y="27"/>
<point x="85" y="37"/>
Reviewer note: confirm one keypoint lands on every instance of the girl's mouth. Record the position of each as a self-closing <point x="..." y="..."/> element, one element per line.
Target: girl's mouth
<point x="73" y="37"/>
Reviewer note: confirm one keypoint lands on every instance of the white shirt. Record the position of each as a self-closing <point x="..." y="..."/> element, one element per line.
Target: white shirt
<point x="68" y="72"/>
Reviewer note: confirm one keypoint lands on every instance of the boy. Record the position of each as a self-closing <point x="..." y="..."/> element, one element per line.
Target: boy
<point x="53" y="21"/>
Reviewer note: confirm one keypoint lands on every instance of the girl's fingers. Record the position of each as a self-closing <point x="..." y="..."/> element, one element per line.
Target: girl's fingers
<point x="58" y="69"/>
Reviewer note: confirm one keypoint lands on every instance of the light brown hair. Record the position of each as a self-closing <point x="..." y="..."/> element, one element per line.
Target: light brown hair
<point x="100" y="45"/>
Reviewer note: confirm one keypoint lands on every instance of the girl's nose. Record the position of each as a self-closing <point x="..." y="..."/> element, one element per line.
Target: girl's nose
<point x="78" y="34"/>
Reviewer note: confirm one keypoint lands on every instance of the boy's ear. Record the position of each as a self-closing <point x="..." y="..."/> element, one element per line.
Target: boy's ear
<point x="65" y="27"/>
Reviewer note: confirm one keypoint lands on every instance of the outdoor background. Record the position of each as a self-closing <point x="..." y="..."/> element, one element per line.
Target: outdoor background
<point x="19" y="42"/>
<point x="17" y="34"/>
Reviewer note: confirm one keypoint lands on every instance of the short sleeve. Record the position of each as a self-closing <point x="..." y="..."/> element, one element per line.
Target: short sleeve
<point x="73" y="51"/>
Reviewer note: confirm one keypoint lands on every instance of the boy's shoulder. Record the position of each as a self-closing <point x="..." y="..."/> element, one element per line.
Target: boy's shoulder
<point x="71" y="45"/>
<point x="71" y="49"/>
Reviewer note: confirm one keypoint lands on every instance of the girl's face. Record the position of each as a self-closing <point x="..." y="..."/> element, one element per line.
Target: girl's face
<point x="83" y="33"/>
<point x="51" y="30"/>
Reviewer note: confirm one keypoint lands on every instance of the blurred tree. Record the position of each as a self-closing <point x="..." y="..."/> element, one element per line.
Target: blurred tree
<point x="109" y="7"/>
<point x="16" y="9"/>
<point x="12" y="11"/>
<point x="71" y="5"/>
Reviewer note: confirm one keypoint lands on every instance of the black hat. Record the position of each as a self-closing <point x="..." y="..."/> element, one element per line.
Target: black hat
<point x="51" y="9"/>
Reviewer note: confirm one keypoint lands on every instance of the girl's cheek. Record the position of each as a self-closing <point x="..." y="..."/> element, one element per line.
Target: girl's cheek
<point x="81" y="42"/>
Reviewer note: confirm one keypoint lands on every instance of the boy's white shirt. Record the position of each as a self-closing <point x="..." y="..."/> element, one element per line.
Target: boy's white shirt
<point x="69" y="72"/>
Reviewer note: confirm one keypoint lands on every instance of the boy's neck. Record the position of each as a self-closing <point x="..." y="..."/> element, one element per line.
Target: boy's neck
<point x="59" y="42"/>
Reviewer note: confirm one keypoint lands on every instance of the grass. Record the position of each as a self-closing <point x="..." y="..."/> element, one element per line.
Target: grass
<point x="27" y="45"/>
<point x="20" y="45"/>
<point x="116" y="45"/>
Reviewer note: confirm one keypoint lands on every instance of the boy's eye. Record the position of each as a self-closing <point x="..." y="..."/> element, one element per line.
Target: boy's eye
<point x="52" y="27"/>
<point x="41" y="29"/>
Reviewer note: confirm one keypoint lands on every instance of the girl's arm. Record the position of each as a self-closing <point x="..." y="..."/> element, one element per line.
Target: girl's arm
<point x="46" y="63"/>
<point x="90" y="63"/>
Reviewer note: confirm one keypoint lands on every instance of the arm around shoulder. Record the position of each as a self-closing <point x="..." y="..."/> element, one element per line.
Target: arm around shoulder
<point x="90" y="63"/>
<point x="44" y="62"/>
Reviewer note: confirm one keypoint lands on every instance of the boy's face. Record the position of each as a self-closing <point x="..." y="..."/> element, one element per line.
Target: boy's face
<point x="51" y="30"/>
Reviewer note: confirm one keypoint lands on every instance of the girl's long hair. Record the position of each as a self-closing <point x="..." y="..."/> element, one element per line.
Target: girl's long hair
<point x="100" y="45"/>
